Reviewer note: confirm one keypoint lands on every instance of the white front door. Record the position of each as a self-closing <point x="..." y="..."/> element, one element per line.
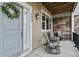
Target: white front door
<point x="10" y="34"/>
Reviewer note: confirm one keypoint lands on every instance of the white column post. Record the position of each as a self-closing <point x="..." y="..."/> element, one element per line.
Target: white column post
<point x="72" y="25"/>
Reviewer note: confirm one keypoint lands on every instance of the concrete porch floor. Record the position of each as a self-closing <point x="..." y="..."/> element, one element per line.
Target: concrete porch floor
<point x="67" y="49"/>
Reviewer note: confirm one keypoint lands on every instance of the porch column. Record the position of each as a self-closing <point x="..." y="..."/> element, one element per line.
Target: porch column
<point x="72" y="25"/>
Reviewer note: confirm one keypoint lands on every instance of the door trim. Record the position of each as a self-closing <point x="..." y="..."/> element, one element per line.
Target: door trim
<point x="29" y="7"/>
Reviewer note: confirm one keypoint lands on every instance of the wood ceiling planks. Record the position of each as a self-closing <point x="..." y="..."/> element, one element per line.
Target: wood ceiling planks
<point x="59" y="7"/>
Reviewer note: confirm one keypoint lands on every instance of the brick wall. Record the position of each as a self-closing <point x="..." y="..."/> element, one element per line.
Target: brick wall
<point x="62" y="24"/>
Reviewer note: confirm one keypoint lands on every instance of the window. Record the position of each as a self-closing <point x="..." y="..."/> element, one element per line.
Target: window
<point x="46" y="22"/>
<point x="50" y="23"/>
<point x="43" y="21"/>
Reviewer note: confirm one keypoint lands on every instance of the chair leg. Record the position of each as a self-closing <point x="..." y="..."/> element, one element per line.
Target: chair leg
<point x="58" y="50"/>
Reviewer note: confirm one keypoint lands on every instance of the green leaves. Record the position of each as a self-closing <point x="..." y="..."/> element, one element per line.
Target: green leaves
<point x="7" y="6"/>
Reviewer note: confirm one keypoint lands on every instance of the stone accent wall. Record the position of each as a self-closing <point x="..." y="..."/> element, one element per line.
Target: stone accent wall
<point x="76" y="24"/>
<point x="62" y="24"/>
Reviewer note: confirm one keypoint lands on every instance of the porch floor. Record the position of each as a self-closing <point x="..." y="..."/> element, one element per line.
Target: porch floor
<point x="67" y="49"/>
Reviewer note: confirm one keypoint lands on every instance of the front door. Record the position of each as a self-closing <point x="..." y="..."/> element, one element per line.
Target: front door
<point x="10" y="34"/>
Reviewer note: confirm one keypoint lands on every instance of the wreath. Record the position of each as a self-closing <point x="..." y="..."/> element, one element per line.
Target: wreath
<point x="7" y="6"/>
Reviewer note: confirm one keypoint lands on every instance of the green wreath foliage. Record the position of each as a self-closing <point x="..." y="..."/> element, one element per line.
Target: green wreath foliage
<point x="7" y="6"/>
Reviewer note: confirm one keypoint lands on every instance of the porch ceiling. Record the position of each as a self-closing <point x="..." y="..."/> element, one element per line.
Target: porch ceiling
<point x="59" y="7"/>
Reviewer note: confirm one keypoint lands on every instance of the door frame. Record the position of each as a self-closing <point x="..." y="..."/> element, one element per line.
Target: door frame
<point x="26" y="6"/>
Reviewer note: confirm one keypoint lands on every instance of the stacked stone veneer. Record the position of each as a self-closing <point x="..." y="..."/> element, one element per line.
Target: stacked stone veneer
<point x="76" y="24"/>
<point x="66" y="28"/>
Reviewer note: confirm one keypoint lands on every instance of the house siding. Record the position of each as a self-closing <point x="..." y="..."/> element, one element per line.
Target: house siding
<point x="36" y="26"/>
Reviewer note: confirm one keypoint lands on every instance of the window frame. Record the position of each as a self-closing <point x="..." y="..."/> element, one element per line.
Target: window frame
<point x="50" y="19"/>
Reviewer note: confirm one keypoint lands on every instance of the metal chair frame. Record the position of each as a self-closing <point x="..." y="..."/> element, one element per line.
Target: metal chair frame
<point x="52" y="46"/>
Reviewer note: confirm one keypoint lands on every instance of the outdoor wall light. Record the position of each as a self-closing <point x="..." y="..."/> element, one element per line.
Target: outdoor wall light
<point x="37" y="16"/>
